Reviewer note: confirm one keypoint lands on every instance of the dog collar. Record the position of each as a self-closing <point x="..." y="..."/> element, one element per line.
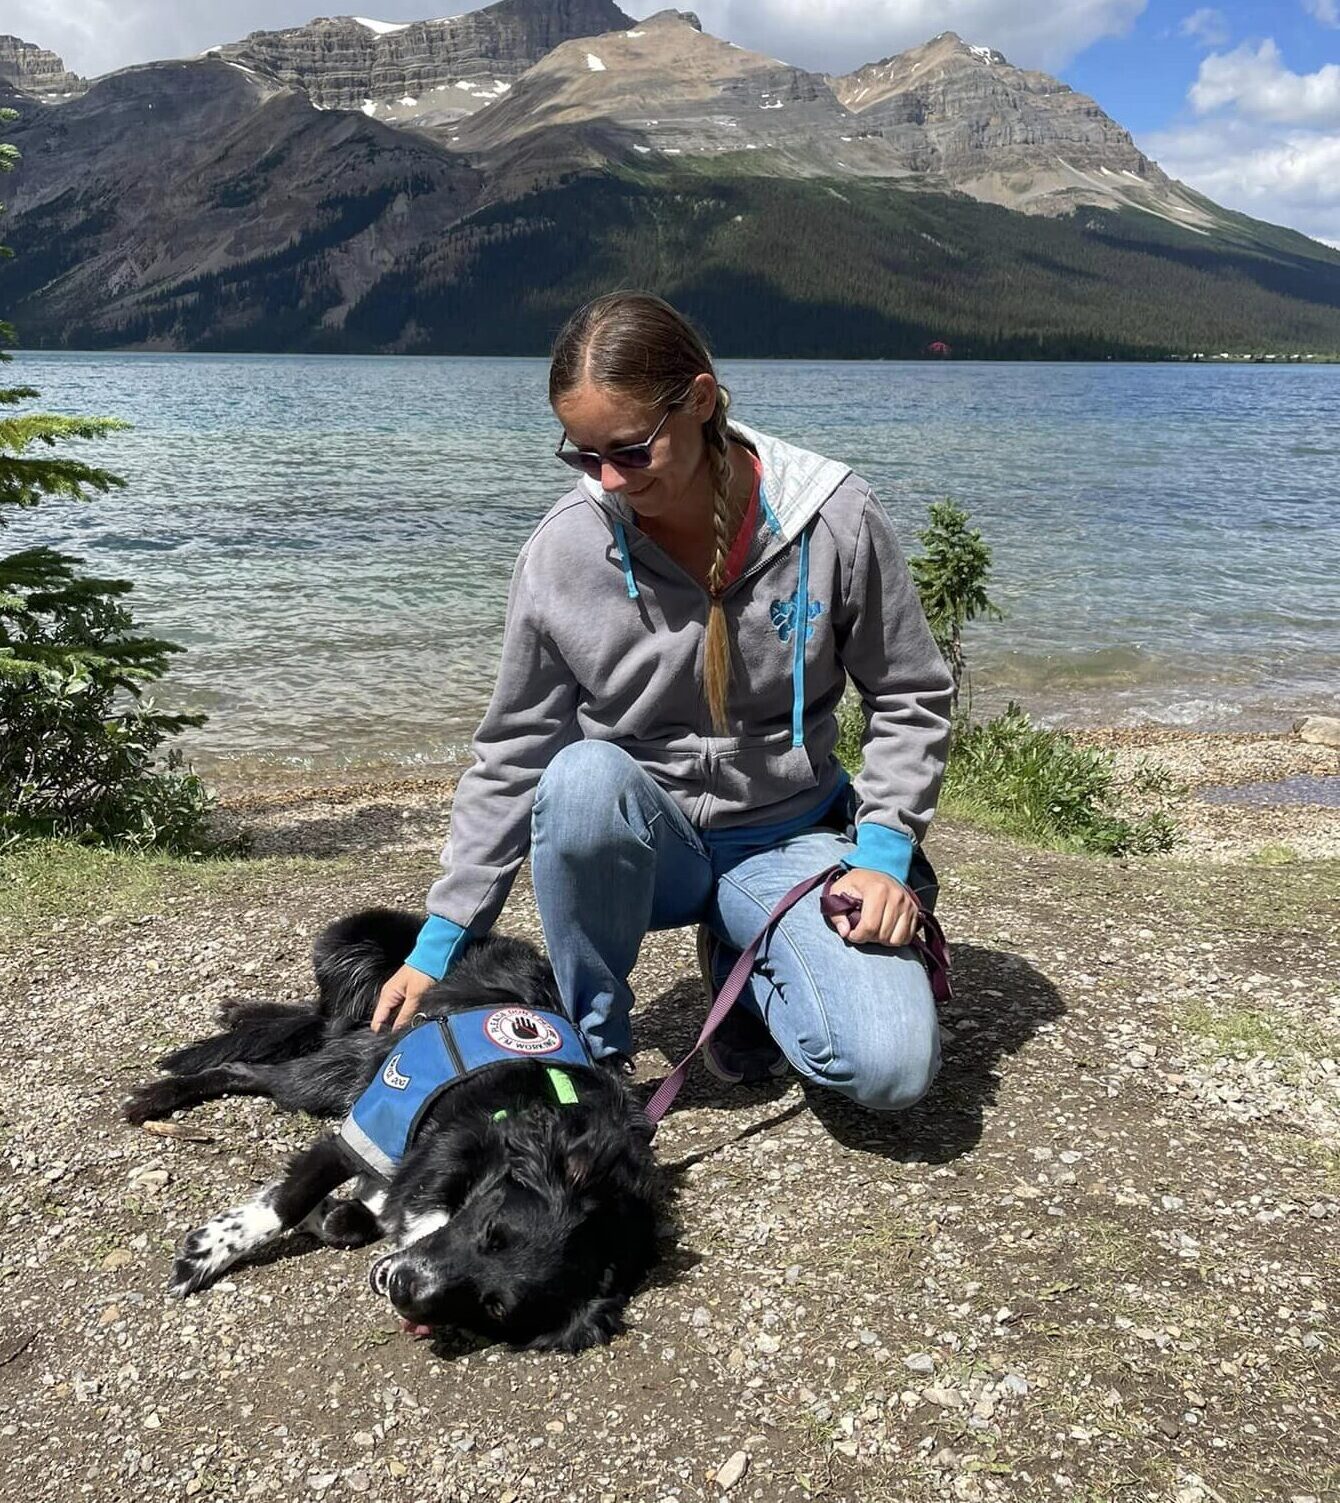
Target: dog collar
<point x="439" y="1053"/>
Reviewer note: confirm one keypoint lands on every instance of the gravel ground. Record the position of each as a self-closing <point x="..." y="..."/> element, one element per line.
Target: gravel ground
<point x="1097" y="1262"/>
<point x="1284" y="824"/>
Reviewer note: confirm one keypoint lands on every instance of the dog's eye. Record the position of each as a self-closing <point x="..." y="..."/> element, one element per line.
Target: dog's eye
<point x="493" y="1240"/>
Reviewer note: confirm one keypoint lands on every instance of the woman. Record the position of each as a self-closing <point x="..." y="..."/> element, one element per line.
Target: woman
<point x="680" y="629"/>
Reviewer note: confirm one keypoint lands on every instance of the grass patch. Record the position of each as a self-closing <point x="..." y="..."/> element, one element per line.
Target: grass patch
<point x="1252" y="1033"/>
<point x="1276" y="855"/>
<point x="43" y="882"/>
<point x="1222" y="897"/>
<point x="1035" y="784"/>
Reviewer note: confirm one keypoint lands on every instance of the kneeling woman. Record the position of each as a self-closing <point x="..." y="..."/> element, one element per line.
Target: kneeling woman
<point x="680" y="629"/>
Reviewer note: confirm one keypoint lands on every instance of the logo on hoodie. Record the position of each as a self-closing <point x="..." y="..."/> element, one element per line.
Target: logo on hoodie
<point x="783" y="614"/>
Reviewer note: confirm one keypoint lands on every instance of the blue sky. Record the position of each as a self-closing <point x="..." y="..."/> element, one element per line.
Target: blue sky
<point x="1240" y="99"/>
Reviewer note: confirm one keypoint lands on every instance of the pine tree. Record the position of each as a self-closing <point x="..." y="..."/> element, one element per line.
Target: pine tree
<point x="951" y="579"/>
<point x="78" y="740"/>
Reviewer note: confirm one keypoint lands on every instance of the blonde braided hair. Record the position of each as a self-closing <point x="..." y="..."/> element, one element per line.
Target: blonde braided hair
<point x="725" y="521"/>
<point x="637" y="344"/>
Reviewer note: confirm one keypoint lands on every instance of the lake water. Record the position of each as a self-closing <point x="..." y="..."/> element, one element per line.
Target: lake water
<point x="331" y="538"/>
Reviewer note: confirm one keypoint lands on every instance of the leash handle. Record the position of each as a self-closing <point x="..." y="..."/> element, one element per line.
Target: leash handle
<point x="928" y="939"/>
<point x="929" y="944"/>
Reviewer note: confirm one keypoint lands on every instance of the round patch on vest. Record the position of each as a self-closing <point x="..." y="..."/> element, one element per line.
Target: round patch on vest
<point x="521" y="1032"/>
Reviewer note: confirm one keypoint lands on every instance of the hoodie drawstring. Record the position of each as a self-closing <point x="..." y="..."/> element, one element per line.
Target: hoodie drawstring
<point x="621" y="537"/>
<point x="802" y="631"/>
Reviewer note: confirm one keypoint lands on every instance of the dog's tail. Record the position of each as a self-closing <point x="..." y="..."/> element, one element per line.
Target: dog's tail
<point x="256" y="1041"/>
<point x="357" y="955"/>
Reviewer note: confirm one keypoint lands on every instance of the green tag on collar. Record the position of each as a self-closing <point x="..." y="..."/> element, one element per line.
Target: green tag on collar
<point x="565" y="1093"/>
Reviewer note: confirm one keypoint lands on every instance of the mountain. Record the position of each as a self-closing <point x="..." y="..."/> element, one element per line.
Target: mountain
<point x="419" y="72"/>
<point x="178" y="204"/>
<point x="458" y="185"/>
<point x="34" y="71"/>
<point x="1005" y="135"/>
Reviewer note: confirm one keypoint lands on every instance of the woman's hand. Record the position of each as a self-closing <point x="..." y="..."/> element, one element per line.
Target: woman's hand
<point x="888" y="910"/>
<point x="399" y="999"/>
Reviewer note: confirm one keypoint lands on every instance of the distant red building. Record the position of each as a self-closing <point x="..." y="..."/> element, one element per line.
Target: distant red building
<point x="940" y="348"/>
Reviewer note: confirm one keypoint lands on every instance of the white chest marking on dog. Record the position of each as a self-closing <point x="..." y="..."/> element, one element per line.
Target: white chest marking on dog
<point x="223" y="1239"/>
<point x="371" y="1192"/>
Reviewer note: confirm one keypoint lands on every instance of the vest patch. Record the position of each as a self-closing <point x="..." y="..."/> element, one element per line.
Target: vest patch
<point x="520" y="1031"/>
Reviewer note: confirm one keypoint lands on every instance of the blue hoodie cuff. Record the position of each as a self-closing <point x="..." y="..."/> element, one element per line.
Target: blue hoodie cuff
<point x="880" y="849"/>
<point x="439" y="944"/>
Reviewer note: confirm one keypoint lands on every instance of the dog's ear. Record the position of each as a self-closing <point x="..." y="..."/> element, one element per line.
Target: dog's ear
<point x="604" y="1160"/>
<point x="594" y="1323"/>
<point x="449" y="1162"/>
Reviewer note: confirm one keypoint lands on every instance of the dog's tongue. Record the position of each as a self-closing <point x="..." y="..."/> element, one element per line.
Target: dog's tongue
<point x="412" y="1328"/>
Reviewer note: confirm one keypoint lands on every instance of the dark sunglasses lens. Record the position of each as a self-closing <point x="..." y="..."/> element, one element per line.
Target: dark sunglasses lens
<point x="589" y="464"/>
<point x="634" y="457"/>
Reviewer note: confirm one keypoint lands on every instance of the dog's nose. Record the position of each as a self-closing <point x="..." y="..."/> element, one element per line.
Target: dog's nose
<point x="400" y="1286"/>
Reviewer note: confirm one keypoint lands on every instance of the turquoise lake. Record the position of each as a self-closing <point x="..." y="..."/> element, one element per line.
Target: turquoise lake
<point x="331" y="538"/>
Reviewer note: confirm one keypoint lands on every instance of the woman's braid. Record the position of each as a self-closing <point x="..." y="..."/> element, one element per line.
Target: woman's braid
<point x="716" y="652"/>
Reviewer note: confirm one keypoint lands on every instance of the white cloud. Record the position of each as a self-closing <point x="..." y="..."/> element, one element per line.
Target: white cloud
<point x="1207" y="26"/>
<point x="1255" y="82"/>
<point x="95" y="36"/>
<point x="839" y="35"/>
<point x="1288" y="176"/>
<point x="1271" y="147"/>
<point x="1326" y="11"/>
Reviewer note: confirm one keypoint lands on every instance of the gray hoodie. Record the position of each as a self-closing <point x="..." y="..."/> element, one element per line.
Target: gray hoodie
<point x="604" y="641"/>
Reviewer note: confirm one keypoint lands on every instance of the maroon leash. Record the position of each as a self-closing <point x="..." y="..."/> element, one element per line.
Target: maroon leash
<point x="928" y="942"/>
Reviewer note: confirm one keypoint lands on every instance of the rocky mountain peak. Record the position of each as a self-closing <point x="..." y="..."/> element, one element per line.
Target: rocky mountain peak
<point x="34" y="70"/>
<point x="665" y="88"/>
<point x="420" y="72"/>
<point x="687" y="16"/>
<point x="1005" y="134"/>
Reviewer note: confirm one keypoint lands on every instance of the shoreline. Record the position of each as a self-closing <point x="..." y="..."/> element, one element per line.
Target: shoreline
<point x="395" y="808"/>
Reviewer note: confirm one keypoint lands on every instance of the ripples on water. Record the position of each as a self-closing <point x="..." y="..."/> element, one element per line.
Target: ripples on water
<point x="332" y="538"/>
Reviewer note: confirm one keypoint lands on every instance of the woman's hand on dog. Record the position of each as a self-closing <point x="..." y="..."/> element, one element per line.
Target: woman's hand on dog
<point x="888" y="910"/>
<point x="399" y="999"/>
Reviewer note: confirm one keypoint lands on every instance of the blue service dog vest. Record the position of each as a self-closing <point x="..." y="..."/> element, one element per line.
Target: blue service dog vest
<point x="435" y="1055"/>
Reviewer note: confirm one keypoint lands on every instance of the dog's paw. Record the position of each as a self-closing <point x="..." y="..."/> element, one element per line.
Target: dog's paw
<point x="213" y="1248"/>
<point x="349" y="1223"/>
<point x="232" y="1012"/>
<point x="149" y="1102"/>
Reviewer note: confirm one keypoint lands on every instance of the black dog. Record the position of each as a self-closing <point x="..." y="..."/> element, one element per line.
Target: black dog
<point x="514" y="1215"/>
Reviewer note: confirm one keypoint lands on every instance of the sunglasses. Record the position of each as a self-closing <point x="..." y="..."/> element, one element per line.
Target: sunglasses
<point x="625" y="457"/>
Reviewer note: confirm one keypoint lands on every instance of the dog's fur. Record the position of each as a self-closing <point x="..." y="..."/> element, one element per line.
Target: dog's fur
<point x="535" y="1228"/>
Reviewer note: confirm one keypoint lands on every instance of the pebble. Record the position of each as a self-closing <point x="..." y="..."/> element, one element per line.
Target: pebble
<point x="732" y="1470"/>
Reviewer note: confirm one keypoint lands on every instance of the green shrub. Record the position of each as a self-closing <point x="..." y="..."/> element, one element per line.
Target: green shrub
<point x="1008" y="773"/>
<point x="1038" y="784"/>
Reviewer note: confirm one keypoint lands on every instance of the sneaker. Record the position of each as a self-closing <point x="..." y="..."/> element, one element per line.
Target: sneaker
<point x="741" y="1051"/>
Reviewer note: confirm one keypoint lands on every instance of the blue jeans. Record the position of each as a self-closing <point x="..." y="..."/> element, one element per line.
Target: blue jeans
<point x="612" y="858"/>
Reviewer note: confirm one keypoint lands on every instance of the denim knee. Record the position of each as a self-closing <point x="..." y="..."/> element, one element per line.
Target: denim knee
<point x="883" y="1069"/>
<point x="582" y="799"/>
<point x="893" y="1077"/>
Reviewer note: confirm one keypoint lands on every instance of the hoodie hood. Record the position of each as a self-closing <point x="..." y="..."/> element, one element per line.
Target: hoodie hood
<point x="796" y="483"/>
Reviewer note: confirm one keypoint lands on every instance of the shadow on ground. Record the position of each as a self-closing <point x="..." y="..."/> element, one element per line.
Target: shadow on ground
<point x="1000" y="1003"/>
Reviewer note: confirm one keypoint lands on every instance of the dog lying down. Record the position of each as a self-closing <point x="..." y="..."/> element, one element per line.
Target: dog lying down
<point x="519" y="1198"/>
